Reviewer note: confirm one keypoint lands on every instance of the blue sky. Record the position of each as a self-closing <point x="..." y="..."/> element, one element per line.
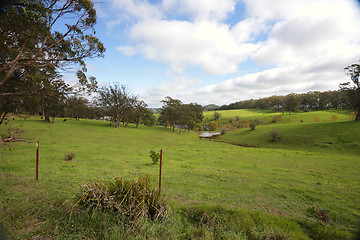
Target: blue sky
<point x="212" y="51"/>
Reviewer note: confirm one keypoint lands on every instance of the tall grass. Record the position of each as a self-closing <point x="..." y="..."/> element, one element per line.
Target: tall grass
<point x="131" y="198"/>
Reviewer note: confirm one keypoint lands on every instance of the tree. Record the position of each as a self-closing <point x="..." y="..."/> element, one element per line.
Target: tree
<point x="353" y="90"/>
<point x="170" y="113"/>
<point x="141" y="113"/>
<point x="291" y="102"/>
<point x="76" y="107"/>
<point x="216" y="116"/>
<point x="31" y="35"/>
<point x="115" y="100"/>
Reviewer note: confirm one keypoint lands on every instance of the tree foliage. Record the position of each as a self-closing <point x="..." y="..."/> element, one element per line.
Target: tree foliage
<point x="313" y="100"/>
<point x="40" y="33"/>
<point x="175" y="113"/>
<point x="353" y="89"/>
<point x="121" y="106"/>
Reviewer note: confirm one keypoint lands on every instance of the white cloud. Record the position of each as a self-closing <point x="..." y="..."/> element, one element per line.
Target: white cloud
<point x="169" y="88"/>
<point x="127" y="50"/>
<point x="201" y="10"/>
<point x="307" y="43"/>
<point x="209" y="45"/>
<point x="139" y="9"/>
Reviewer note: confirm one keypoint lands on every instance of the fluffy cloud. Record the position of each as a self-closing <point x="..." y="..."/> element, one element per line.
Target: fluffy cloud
<point x="201" y="10"/>
<point x="305" y="44"/>
<point x="209" y="45"/>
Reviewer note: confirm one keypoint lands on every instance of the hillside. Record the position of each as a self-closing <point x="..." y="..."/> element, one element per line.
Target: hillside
<point x="214" y="190"/>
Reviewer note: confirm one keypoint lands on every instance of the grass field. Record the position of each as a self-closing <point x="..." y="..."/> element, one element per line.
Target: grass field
<point x="214" y="189"/>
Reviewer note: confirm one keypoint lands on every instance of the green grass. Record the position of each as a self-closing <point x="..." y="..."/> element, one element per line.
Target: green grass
<point x="325" y="116"/>
<point x="242" y="113"/>
<point x="214" y="189"/>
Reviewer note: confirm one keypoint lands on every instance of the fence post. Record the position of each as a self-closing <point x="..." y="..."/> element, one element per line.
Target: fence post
<point x="160" y="172"/>
<point x="37" y="160"/>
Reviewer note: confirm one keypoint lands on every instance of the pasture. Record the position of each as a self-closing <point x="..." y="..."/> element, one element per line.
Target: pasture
<point x="213" y="189"/>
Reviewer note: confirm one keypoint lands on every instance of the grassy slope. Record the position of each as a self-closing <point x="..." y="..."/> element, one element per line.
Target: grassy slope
<point x="279" y="182"/>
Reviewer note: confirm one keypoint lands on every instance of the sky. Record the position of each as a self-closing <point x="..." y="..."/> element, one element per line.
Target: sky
<point x="223" y="51"/>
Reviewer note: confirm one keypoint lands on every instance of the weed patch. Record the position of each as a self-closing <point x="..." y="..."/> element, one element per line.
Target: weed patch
<point x="131" y="198"/>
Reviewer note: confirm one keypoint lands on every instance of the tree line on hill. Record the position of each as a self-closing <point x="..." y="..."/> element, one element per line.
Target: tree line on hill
<point x="347" y="97"/>
<point x="313" y="100"/>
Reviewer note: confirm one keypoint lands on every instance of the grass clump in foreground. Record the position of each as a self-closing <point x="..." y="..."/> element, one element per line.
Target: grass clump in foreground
<point x="131" y="198"/>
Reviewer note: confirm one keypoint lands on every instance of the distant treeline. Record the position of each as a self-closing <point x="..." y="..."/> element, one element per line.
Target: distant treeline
<point x="313" y="100"/>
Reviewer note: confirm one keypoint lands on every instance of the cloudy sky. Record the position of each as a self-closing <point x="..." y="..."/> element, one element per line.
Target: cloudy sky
<point x="222" y="51"/>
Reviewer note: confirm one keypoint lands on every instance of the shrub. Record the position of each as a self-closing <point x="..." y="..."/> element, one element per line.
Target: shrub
<point x="317" y="119"/>
<point x="353" y="115"/>
<point x="257" y="121"/>
<point x="198" y="127"/>
<point x="246" y="123"/>
<point x="334" y="118"/>
<point x="133" y="199"/>
<point x="265" y="121"/>
<point x="275" y="135"/>
<point x="154" y="156"/>
<point x="212" y="126"/>
<point x="237" y="118"/>
<point x="277" y="119"/>
<point x="69" y="156"/>
<point x="223" y="131"/>
<point x="253" y="125"/>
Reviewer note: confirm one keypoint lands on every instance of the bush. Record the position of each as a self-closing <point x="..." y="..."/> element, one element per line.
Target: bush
<point x="275" y="135"/>
<point x="253" y="125"/>
<point x="69" y="156"/>
<point x="277" y="119"/>
<point x="223" y="131"/>
<point x="154" y="156"/>
<point x="265" y="121"/>
<point x="334" y="118"/>
<point x="317" y="119"/>
<point x="212" y="126"/>
<point x="133" y="199"/>
<point x="257" y="121"/>
<point x="246" y="123"/>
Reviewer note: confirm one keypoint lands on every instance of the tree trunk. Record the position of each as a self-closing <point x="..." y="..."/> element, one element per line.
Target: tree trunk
<point x="47" y="117"/>
<point x="53" y="119"/>
<point x="2" y="117"/>
<point x="357" y="118"/>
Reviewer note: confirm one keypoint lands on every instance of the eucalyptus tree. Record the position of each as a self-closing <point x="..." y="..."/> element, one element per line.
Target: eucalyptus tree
<point x="41" y="33"/>
<point x="353" y="89"/>
<point x="115" y="101"/>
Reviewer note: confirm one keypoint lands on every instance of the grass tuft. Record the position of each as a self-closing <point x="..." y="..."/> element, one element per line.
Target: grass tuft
<point x="131" y="198"/>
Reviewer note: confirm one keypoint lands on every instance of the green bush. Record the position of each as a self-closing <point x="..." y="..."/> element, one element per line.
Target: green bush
<point x="275" y="135"/>
<point x="212" y="126"/>
<point x="154" y="156"/>
<point x="131" y="198"/>
<point x="253" y="125"/>
<point x="69" y="156"/>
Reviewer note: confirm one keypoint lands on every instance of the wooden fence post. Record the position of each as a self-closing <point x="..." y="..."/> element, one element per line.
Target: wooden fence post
<point x="37" y="161"/>
<point x="160" y="171"/>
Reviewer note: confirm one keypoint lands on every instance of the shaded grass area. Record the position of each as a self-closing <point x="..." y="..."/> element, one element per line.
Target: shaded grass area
<point x="208" y="185"/>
